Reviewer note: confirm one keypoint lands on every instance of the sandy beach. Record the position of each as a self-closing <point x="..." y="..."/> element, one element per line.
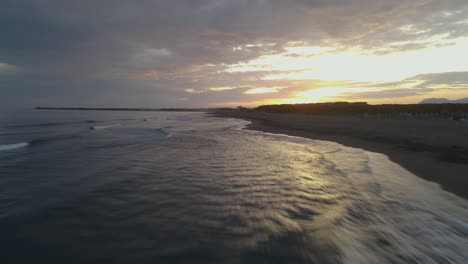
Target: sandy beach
<point x="435" y="149"/>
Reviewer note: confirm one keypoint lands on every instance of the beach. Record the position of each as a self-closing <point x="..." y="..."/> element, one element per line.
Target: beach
<point x="432" y="148"/>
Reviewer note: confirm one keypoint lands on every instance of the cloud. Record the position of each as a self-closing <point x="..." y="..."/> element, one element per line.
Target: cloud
<point x="116" y="52"/>
<point x="264" y="90"/>
<point x="452" y="84"/>
<point x="448" y="79"/>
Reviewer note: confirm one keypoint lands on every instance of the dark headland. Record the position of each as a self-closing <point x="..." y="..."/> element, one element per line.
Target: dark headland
<point x="430" y="140"/>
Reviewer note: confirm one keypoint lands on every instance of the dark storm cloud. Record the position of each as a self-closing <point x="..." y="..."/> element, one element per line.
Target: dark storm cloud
<point x="101" y="51"/>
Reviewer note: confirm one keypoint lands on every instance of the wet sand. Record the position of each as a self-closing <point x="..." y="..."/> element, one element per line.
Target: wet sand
<point x="435" y="149"/>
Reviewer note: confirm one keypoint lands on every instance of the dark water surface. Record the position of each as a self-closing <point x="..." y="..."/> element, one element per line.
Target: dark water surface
<point x="149" y="187"/>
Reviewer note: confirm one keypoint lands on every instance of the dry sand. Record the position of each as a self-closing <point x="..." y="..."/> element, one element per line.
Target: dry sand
<point x="435" y="149"/>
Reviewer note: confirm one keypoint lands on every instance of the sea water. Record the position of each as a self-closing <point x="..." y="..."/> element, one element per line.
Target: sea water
<point x="168" y="187"/>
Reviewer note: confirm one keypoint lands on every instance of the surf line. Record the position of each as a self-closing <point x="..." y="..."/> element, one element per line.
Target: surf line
<point x="13" y="146"/>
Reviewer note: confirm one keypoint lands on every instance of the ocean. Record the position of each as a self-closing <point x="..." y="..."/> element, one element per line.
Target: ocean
<point x="180" y="187"/>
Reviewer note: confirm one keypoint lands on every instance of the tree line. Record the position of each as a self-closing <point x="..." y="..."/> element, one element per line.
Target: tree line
<point x="365" y="108"/>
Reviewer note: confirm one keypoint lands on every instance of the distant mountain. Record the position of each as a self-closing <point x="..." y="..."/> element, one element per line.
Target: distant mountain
<point x="435" y="101"/>
<point x="462" y="101"/>
<point x="444" y="101"/>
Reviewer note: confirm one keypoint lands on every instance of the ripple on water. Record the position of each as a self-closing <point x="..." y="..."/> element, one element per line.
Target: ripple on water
<point x="223" y="196"/>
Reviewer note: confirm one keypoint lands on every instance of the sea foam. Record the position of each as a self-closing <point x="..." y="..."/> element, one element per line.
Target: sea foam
<point x="13" y="146"/>
<point x="103" y="127"/>
<point x="161" y="134"/>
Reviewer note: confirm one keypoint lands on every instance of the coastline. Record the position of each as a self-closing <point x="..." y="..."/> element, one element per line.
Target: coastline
<point x="433" y="149"/>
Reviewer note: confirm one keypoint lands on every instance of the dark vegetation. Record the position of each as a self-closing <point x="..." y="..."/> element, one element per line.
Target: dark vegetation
<point x="451" y="110"/>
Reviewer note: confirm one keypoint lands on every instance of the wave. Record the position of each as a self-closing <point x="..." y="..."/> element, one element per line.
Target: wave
<point x="389" y="214"/>
<point x="37" y="141"/>
<point x="43" y="140"/>
<point x="13" y="146"/>
<point x="400" y="212"/>
<point x="136" y="134"/>
<point x="179" y="118"/>
<point x="104" y="127"/>
<point x="162" y="134"/>
<point x="234" y="127"/>
<point x="51" y="124"/>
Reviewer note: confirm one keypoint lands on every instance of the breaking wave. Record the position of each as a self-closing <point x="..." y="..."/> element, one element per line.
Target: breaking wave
<point x="104" y="127"/>
<point x="50" y="124"/>
<point x="161" y="134"/>
<point x="13" y="146"/>
<point x="179" y="118"/>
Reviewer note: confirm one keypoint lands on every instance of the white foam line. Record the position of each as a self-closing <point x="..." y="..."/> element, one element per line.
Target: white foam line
<point x="13" y="146"/>
<point x="104" y="127"/>
<point x="166" y="134"/>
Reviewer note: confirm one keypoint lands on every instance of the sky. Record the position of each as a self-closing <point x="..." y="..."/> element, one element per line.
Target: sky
<point x="216" y="53"/>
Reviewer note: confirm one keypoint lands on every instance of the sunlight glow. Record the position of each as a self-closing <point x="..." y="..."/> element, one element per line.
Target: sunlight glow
<point x="321" y="93"/>
<point x="214" y="89"/>
<point x="308" y="50"/>
<point x="305" y="74"/>
<point x="327" y="94"/>
<point x="217" y="89"/>
<point x="357" y="65"/>
<point x="263" y="90"/>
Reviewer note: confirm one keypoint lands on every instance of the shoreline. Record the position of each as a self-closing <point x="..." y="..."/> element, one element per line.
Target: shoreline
<point x="433" y="149"/>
